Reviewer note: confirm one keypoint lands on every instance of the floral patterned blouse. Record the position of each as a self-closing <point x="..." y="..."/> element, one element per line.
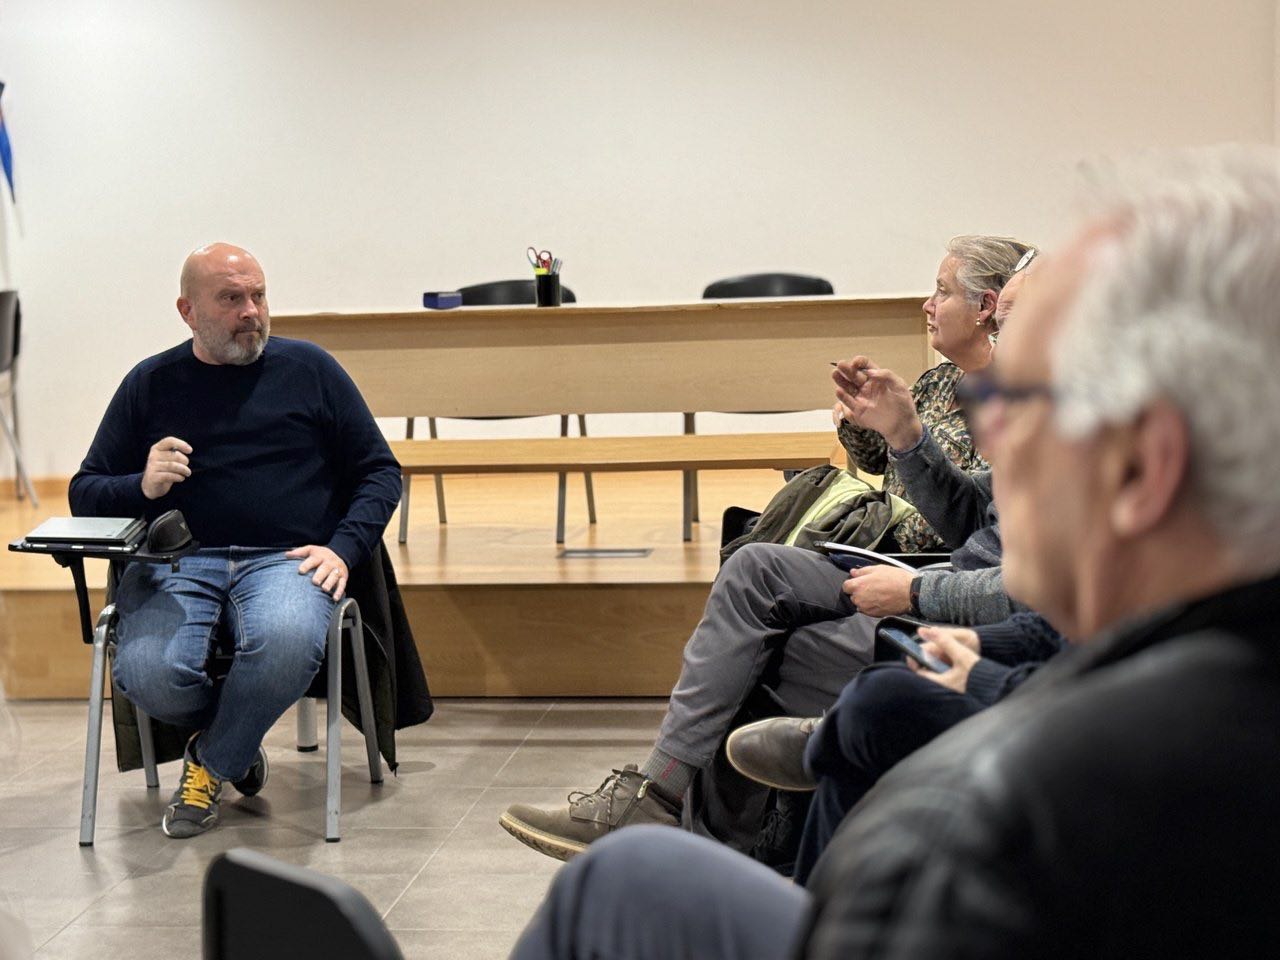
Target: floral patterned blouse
<point x="934" y="394"/>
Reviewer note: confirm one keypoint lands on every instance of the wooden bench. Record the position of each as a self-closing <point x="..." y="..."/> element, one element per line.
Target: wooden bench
<point x="739" y="451"/>
<point x="725" y="355"/>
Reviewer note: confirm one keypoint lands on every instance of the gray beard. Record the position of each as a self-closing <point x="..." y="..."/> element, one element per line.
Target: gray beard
<point x="229" y="350"/>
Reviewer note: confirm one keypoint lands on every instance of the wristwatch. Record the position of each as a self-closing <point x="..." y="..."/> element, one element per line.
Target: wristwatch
<point x="915" y="595"/>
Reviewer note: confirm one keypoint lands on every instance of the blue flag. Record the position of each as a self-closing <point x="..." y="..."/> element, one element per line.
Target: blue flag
<point x="6" y="152"/>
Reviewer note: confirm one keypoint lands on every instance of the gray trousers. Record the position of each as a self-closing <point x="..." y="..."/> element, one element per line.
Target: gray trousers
<point x="652" y="893"/>
<point x="778" y="637"/>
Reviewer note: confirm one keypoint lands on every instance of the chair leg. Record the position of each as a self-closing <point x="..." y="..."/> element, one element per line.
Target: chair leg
<point x="93" y="736"/>
<point x="148" y="745"/>
<point x="406" y="482"/>
<point x="17" y="460"/>
<point x="562" y="486"/>
<point x="19" y="492"/>
<point x="686" y="523"/>
<point x="586" y="475"/>
<point x="355" y="636"/>
<point x="307" y="740"/>
<point x="333" y="734"/>
<point x="441" y="514"/>
<point x="561" y="483"/>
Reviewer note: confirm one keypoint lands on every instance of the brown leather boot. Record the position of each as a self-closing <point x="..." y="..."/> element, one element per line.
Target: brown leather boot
<point x="624" y="798"/>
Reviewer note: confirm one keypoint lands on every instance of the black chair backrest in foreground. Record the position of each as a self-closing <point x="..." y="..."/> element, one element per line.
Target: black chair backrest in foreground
<point x="768" y="285"/>
<point x="257" y="908"/>
<point x="10" y="328"/>
<point x="503" y="293"/>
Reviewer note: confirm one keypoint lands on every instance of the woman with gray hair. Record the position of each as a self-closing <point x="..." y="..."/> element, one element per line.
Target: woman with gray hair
<point x="960" y="318"/>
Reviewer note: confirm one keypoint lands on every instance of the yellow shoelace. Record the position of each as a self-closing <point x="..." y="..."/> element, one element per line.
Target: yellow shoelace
<point x="198" y="787"/>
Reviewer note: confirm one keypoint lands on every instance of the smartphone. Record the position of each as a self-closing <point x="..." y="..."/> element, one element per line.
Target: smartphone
<point x="910" y="645"/>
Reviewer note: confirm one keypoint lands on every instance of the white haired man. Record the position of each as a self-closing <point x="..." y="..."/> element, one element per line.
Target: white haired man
<point x="1121" y="803"/>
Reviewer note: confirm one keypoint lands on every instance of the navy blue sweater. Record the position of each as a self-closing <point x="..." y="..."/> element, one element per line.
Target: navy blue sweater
<point x="1012" y="651"/>
<point x="284" y="451"/>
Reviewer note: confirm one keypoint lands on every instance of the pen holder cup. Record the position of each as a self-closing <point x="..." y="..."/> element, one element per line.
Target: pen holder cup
<point x="546" y="289"/>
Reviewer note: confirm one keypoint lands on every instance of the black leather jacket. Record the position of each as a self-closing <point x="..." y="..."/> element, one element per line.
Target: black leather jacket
<point x="1125" y="802"/>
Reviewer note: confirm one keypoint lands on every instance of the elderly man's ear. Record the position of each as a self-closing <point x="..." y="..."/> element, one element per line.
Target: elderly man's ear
<point x="1153" y="470"/>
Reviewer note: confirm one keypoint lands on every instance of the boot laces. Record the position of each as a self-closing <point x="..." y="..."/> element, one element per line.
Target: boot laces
<point x="608" y="789"/>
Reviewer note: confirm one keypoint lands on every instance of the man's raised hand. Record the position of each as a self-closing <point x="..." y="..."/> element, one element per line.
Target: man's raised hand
<point x="167" y="463"/>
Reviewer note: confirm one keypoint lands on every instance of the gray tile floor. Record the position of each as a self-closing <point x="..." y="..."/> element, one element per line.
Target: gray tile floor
<point x="424" y="847"/>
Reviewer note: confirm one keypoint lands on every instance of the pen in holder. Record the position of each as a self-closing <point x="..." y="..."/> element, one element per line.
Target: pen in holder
<point x="546" y="289"/>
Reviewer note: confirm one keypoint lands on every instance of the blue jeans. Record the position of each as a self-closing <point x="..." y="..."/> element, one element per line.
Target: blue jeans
<point x="276" y="622"/>
<point x="657" y="893"/>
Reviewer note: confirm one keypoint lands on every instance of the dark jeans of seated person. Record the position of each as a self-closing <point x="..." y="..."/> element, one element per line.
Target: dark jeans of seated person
<point x="885" y="714"/>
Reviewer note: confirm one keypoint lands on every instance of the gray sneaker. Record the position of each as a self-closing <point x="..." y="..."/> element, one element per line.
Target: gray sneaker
<point x="626" y="797"/>
<point x="772" y="752"/>
<point x="193" y="808"/>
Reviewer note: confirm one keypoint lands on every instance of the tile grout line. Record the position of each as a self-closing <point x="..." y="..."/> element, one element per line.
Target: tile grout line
<point x="70" y="923"/>
<point x="454" y="830"/>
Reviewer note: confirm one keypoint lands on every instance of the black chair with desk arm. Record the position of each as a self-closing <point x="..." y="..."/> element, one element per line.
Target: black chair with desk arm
<point x="750" y="285"/>
<point x="499" y="293"/>
<point x="258" y="908"/>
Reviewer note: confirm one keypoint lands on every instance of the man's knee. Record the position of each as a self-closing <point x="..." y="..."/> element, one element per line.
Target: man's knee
<point x="294" y="647"/>
<point x="745" y="564"/>
<point x="749" y="560"/>
<point x="877" y="694"/>
<point x="163" y="688"/>
<point x="619" y="870"/>
<point x="291" y="633"/>
<point x="604" y="879"/>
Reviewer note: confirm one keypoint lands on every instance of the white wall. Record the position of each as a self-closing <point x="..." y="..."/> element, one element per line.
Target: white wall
<point x="369" y="151"/>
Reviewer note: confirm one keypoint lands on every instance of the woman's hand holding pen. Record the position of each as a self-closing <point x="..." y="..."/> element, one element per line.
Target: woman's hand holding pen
<point x="878" y="399"/>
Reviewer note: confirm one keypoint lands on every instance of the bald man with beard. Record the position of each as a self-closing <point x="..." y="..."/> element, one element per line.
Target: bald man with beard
<point x="273" y="457"/>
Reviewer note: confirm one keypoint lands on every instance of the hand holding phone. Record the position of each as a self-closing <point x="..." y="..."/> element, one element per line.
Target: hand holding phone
<point x="909" y="644"/>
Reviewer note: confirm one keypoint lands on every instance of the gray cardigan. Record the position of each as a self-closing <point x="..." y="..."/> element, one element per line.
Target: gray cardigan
<point x="960" y="508"/>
